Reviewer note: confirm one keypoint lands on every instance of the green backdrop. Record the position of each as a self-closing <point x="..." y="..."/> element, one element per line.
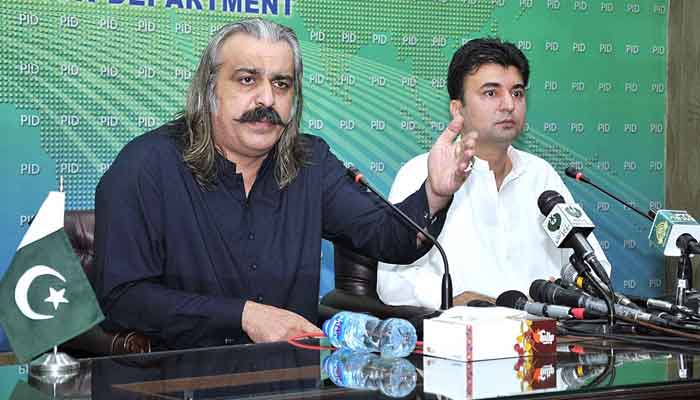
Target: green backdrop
<point x="81" y="78"/>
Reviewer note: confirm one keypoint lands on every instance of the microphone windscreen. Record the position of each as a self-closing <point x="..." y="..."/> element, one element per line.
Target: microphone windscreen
<point x="510" y="298"/>
<point x="571" y="172"/>
<point x="537" y="290"/>
<point x="547" y="200"/>
<point x="352" y="171"/>
<point x="568" y="274"/>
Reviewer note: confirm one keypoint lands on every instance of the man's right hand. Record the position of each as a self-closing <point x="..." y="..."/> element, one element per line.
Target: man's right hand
<point x="265" y="323"/>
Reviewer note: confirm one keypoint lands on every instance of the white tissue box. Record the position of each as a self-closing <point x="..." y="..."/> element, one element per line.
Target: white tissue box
<point x="486" y="333"/>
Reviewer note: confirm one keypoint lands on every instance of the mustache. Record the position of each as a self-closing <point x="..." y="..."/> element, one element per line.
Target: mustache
<point x="260" y="114"/>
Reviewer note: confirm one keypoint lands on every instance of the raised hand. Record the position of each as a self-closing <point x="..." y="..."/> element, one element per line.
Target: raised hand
<point x="449" y="163"/>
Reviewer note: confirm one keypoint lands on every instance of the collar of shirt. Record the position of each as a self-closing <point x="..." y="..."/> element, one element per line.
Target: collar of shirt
<point x="264" y="188"/>
<point x="517" y="166"/>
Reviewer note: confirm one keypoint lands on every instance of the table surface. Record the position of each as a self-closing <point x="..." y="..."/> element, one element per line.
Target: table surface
<point x="580" y="369"/>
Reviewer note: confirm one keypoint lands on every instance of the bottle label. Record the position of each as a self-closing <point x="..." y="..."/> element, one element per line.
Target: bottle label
<point x="335" y="373"/>
<point x="336" y="328"/>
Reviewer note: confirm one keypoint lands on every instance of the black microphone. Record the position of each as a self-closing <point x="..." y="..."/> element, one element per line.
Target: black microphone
<point x="548" y="292"/>
<point x="567" y="225"/>
<point x="578" y="175"/>
<point x="517" y="300"/>
<point x="573" y="274"/>
<point x="446" y="293"/>
<point x="687" y="243"/>
<point x="662" y="305"/>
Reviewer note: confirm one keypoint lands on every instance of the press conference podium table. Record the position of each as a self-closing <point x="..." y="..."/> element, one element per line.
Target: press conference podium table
<point x="596" y="369"/>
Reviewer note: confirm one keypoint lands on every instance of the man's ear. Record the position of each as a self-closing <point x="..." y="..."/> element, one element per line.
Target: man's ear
<point x="455" y="108"/>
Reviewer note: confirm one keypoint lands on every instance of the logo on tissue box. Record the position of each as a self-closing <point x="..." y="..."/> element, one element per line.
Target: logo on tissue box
<point x="535" y="373"/>
<point x="534" y="338"/>
<point x="546" y="337"/>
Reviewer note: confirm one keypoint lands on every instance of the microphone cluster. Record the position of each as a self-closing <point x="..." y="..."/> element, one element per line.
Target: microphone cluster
<point x="584" y="290"/>
<point x="674" y="232"/>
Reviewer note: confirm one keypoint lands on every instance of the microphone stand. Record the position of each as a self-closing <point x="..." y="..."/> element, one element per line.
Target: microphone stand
<point x="684" y="277"/>
<point x="446" y="292"/>
<point x="578" y="175"/>
<point x="609" y="296"/>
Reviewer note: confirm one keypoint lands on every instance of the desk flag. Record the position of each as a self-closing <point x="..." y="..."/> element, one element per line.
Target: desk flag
<point x="45" y="296"/>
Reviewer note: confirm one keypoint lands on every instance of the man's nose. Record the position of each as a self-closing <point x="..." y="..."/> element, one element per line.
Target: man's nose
<point x="265" y="95"/>
<point x="508" y="103"/>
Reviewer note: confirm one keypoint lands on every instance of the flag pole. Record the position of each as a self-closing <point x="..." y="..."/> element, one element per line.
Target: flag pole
<point x="56" y="367"/>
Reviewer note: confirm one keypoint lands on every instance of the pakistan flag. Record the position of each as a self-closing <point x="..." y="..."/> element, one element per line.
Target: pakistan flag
<point x="45" y="297"/>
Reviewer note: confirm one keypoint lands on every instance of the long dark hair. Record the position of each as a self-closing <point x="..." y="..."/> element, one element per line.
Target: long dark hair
<point x="199" y="152"/>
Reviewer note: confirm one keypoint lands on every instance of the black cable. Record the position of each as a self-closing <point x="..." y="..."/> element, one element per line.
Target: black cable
<point x="638" y="340"/>
<point x="608" y="297"/>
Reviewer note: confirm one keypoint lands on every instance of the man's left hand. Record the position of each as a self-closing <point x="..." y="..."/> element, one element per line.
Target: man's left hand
<point x="449" y="164"/>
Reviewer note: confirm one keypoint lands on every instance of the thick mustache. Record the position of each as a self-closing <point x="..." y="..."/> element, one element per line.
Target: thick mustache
<point x="260" y="114"/>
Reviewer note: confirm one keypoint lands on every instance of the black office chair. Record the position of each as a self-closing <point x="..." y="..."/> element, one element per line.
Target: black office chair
<point x="356" y="290"/>
<point x="80" y="229"/>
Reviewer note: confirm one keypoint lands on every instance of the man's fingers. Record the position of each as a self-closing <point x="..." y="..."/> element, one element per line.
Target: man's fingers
<point x="469" y="140"/>
<point x="453" y="129"/>
<point x="308" y="327"/>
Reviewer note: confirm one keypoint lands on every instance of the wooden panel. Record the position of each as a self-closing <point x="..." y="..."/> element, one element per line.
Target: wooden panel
<point x="683" y="114"/>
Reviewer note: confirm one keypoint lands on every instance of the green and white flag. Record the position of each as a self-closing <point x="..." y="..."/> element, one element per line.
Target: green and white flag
<point x="45" y="297"/>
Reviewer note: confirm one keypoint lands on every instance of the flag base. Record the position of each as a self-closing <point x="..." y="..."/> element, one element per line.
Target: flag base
<point x="54" y="365"/>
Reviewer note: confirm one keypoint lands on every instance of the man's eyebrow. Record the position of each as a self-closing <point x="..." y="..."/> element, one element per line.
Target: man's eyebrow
<point x="250" y="70"/>
<point x="255" y="71"/>
<point x="489" y="85"/>
<point x="279" y="77"/>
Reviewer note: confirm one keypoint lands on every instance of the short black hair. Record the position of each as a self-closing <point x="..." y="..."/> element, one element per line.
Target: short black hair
<point x="478" y="52"/>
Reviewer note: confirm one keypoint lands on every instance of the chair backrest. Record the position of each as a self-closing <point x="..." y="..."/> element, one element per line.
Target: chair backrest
<point x="354" y="273"/>
<point x="356" y="290"/>
<point x="79" y="226"/>
<point x="80" y="229"/>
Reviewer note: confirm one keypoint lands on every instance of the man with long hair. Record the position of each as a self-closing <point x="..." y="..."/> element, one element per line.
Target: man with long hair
<point x="209" y="228"/>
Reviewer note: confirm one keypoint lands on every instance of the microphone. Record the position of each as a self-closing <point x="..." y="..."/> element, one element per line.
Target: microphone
<point x="446" y="292"/>
<point x="674" y="232"/>
<point x="571" y="274"/>
<point x="657" y="304"/>
<point x="517" y="300"/>
<point x="578" y="175"/>
<point x="548" y="292"/>
<point x="568" y="226"/>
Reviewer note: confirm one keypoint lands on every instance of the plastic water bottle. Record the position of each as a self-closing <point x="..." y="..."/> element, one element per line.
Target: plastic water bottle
<point x="393" y="337"/>
<point x="394" y="377"/>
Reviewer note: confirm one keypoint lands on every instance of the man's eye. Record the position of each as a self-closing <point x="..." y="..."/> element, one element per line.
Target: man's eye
<point x="490" y="93"/>
<point x="247" y="80"/>
<point x="518" y="93"/>
<point x="281" y="84"/>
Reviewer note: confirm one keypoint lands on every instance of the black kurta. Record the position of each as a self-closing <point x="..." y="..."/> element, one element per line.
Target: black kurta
<point x="178" y="262"/>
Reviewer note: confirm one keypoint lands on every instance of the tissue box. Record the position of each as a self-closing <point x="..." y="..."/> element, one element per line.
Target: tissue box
<point x="489" y="378"/>
<point x="477" y="333"/>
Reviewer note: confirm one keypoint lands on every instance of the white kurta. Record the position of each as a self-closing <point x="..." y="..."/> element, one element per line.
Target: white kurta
<point x="493" y="239"/>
